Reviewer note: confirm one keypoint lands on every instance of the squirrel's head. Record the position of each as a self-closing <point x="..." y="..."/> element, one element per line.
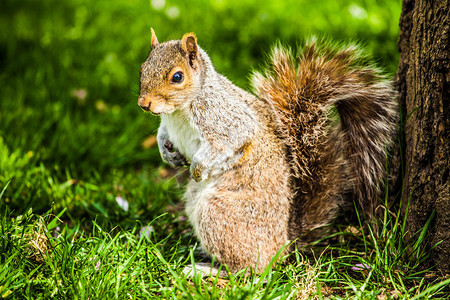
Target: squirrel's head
<point x="170" y="75"/>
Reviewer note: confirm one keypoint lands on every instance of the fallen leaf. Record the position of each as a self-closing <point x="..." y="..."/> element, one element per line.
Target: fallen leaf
<point x="122" y="203"/>
<point x="149" y="142"/>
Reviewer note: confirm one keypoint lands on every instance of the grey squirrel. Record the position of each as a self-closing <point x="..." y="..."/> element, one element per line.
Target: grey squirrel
<point x="277" y="166"/>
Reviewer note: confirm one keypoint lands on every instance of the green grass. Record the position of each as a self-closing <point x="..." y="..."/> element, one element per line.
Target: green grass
<point x="74" y="144"/>
<point x="42" y="257"/>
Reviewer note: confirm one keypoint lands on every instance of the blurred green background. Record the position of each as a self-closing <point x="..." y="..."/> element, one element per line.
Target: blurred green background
<point x="71" y="133"/>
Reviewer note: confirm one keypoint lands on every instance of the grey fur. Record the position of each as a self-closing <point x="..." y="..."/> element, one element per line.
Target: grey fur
<point x="275" y="168"/>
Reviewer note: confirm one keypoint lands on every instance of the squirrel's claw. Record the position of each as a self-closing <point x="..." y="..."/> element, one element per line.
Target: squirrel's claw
<point x="175" y="159"/>
<point x="198" y="171"/>
<point x="172" y="156"/>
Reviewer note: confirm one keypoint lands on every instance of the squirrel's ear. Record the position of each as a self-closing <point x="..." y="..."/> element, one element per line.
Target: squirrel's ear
<point x="189" y="46"/>
<point x="189" y="43"/>
<point x="154" y="39"/>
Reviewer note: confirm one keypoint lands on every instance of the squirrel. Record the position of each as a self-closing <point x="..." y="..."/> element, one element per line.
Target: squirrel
<point x="277" y="166"/>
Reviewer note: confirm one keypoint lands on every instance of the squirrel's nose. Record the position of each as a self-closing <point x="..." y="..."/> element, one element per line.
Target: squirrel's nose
<point x="144" y="103"/>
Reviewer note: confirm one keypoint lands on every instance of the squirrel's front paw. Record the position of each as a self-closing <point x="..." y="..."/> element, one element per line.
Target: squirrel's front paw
<point x="173" y="157"/>
<point x="198" y="171"/>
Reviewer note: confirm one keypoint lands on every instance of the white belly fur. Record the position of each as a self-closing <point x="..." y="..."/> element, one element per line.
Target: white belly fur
<point x="184" y="137"/>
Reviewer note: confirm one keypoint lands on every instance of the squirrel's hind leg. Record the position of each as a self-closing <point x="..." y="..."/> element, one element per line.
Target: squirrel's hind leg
<point x="240" y="228"/>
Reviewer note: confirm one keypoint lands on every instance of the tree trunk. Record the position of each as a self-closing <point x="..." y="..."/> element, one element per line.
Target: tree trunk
<point x="422" y="81"/>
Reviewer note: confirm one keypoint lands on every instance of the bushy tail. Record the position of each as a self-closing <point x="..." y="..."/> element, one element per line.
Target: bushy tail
<point x="305" y="91"/>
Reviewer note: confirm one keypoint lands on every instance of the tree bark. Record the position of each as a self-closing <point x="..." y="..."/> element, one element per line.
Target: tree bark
<point x="422" y="81"/>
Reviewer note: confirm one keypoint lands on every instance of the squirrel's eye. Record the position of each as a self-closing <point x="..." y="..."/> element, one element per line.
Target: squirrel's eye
<point x="178" y="77"/>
